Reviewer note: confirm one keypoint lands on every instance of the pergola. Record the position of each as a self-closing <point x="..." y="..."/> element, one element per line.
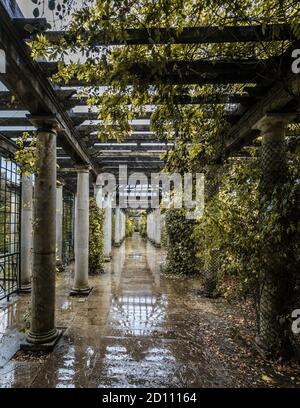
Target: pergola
<point x="51" y="110"/>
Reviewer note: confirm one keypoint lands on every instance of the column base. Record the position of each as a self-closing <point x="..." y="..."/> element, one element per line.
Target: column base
<point x="154" y="243"/>
<point x="81" y="292"/>
<point x="261" y="349"/>
<point x="45" y="342"/>
<point x="25" y="288"/>
<point x="118" y="244"/>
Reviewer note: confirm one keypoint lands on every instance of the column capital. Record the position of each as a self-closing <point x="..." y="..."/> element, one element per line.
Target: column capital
<point x="47" y="123"/>
<point x="82" y="168"/>
<point x="273" y="119"/>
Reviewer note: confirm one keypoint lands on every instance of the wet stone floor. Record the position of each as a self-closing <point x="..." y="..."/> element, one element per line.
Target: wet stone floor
<point x="136" y="329"/>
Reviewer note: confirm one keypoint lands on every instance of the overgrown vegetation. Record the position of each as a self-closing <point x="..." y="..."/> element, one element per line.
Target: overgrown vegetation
<point x="129" y="227"/>
<point x="143" y="224"/>
<point x="96" y="221"/>
<point x="181" y="248"/>
<point x="238" y="223"/>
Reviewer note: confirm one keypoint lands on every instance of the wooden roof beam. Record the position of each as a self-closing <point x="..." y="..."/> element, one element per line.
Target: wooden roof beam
<point x="25" y="80"/>
<point x="188" y="35"/>
<point x="184" y="72"/>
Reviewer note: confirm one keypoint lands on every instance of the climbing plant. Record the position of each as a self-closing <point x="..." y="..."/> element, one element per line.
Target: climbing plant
<point x="143" y="224"/>
<point x="107" y="20"/>
<point x="25" y="155"/>
<point x="129" y="227"/>
<point x="96" y="221"/>
<point x="238" y="222"/>
<point x="181" y="249"/>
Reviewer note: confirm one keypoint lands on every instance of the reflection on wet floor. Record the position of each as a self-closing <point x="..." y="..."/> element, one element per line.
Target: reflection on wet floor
<point x="134" y="330"/>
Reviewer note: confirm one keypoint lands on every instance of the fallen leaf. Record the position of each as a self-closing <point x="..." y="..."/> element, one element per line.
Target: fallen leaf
<point x="267" y="379"/>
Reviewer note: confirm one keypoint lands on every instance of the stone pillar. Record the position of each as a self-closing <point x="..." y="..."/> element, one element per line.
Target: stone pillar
<point x="43" y="332"/>
<point x="148" y="228"/>
<point x="81" y="285"/>
<point x="59" y="223"/>
<point x="147" y="225"/>
<point x="153" y="227"/>
<point x="157" y="227"/>
<point x="149" y="221"/>
<point x="123" y="226"/>
<point x="118" y="227"/>
<point x="107" y="228"/>
<point x="26" y="233"/>
<point x="95" y="190"/>
<point x="210" y="273"/>
<point x="276" y="285"/>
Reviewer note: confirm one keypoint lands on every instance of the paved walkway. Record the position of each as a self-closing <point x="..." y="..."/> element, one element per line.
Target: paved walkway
<point x="135" y="329"/>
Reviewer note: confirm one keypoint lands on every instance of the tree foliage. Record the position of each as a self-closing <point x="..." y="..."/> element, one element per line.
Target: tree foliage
<point x="121" y="103"/>
<point x="197" y="130"/>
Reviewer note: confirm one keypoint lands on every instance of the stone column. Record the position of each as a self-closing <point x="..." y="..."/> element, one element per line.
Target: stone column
<point x="43" y="332"/>
<point x="157" y="227"/>
<point x="26" y="233"/>
<point x="118" y="227"/>
<point x="210" y="273"/>
<point x="59" y="223"/>
<point x="276" y="285"/>
<point x="107" y="229"/>
<point x="81" y="285"/>
<point x="148" y="228"/>
<point x="95" y="190"/>
<point x="151" y="227"/>
<point x="123" y="226"/>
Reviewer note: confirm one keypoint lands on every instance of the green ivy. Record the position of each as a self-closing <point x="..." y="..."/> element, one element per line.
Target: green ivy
<point x="181" y="248"/>
<point x="96" y="238"/>
<point x="143" y="224"/>
<point x="129" y="227"/>
<point x="238" y="222"/>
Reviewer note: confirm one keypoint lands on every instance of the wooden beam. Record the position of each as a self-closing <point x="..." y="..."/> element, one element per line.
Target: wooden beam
<point x="87" y="129"/>
<point x="182" y="72"/>
<point x="7" y="144"/>
<point x="209" y="99"/>
<point x="118" y="148"/>
<point x="25" y="80"/>
<point x="188" y="35"/>
<point x="29" y="26"/>
<point x="14" y="121"/>
<point x="80" y="117"/>
<point x="275" y="100"/>
<point x="129" y="160"/>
